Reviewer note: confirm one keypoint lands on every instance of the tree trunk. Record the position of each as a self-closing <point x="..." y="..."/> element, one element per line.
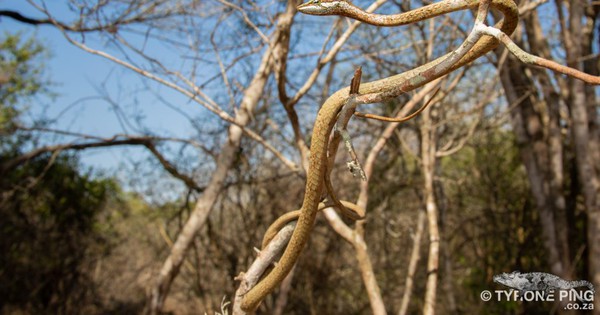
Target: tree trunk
<point x="585" y="136"/>
<point x="227" y="156"/>
<point x="428" y="149"/>
<point x="535" y="125"/>
<point x="415" y="256"/>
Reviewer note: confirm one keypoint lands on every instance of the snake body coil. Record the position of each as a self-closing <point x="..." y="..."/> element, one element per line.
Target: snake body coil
<point x="326" y="117"/>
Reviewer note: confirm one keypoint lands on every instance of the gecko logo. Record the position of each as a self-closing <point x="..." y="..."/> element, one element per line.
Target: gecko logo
<point x="541" y="286"/>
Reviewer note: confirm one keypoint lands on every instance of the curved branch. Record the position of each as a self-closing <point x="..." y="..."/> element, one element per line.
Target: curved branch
<point x="24" y="19"/>
<point x="136" y="12"/>
<point x="147" y="142"/>
<point x="530" y="59"/>
<point x="15" y="162"/>
<point x="188" y="181"/>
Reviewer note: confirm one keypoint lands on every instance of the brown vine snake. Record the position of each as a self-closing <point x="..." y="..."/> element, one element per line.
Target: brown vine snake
<point x="377" y="91"/>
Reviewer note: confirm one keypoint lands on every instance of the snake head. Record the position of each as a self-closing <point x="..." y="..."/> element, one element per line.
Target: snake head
<point x="321" y="7"/>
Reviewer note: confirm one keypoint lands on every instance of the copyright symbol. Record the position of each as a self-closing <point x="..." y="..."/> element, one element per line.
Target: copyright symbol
<point x="486" y="295"/>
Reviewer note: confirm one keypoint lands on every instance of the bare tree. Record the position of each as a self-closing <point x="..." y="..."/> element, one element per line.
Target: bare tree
<point x="260" y="70"/>
<point x="538" y="121"/>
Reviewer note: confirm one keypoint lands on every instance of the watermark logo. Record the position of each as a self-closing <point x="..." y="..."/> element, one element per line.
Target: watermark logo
<point x="542" y="287"/>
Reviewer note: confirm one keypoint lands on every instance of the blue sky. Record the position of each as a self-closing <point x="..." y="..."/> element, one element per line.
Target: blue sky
<point x="81" y="78"/>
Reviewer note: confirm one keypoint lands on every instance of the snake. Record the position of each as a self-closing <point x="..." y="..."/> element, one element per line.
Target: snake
<point x="355" y="213"/>
<point x="387" y="88"/>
